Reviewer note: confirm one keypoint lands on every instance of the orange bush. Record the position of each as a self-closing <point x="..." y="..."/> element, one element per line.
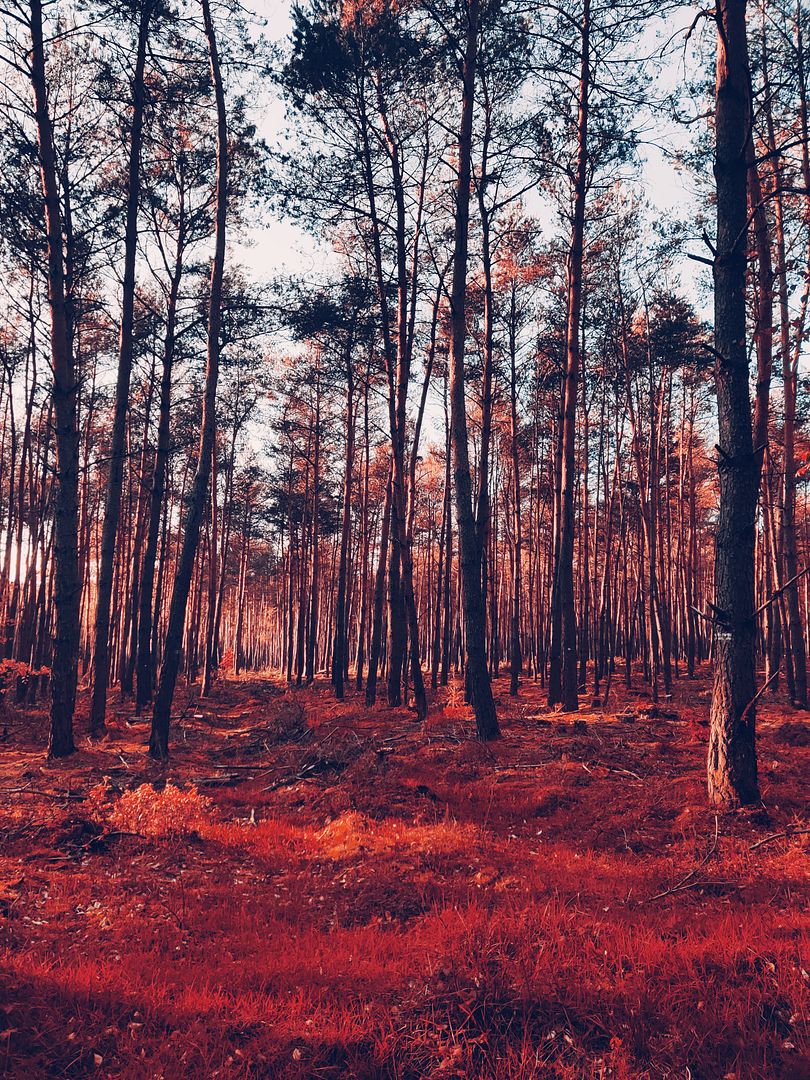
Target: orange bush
<point x="17" y="669"/>
<point x="169" y="812"/>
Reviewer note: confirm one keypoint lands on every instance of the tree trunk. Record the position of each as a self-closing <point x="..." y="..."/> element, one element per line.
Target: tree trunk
<point x="563" y="591"/>
<point x="66" y="522"/>
<point x="159" y="739"/>
<point x="795" y="633"/>
<point x="732" y="763"/>
<point x="112" y="511"/>
<point x="146" y="666"/>
<point x="364" y="542"/>
<point x="339" y="651"/>
<point x="515" y="656"/>
<point x="210" y="644"/>
<point x="315" y="583"/>
<point x="477" y="673"/>
<point x="378" y="602"/>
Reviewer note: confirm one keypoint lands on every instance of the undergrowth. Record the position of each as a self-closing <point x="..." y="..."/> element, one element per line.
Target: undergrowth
<point x="368" y="899"/>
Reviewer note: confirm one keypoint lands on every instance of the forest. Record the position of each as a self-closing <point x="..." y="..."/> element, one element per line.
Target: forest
<point x="404" y="539"/>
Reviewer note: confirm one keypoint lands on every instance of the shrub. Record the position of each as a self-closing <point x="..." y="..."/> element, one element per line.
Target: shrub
<point x="170" y="812"/>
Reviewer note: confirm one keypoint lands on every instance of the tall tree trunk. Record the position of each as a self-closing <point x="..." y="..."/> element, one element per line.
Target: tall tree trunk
<point x="445" y="559"/>
<point x="795" y="633"/>
<point x="340" y="649"/>
<point x="159" y="739"/>
<point x="477" y="672"/>
<point x="145" y="663"/>
<point x="732" y="763"/>
<point x="242" y="591"/>
<point x="398" y="360"/>
<point x="397" y="638"/>
<point x="315" y="583"/>
<point x="515" y="656"/>
<point x="112" y="511"/>
<point x="209" y="645"/>
<point x="555" y="650"/>
<point x="378" y="602"/>
<point x="483" y="513"/>
<point x="563" y="590"/>
<point x="128" y="672"/>
<point x="365" y="540"/>
<point x="67" y="584"/>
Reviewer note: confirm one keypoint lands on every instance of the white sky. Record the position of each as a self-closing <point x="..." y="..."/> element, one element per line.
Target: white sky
<point x="279" y="247"/>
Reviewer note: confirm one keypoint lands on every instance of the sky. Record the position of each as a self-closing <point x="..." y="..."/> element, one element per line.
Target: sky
<point x="278" y="247"/>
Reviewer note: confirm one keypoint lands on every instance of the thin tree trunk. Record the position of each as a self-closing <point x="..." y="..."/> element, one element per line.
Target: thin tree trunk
<point x="101" y="655"/>
<point x="477" y="672"/>
<point x="515" y="655"/>
<point x="67" y="584"/>
<point x="378" y="602"/>
<point x="315" y="582"/>
<point x="795" y="633"/>
<point x="365" y="540"/>
<point x="563" y="592"/>
<point x="159" y="739"/>
<point x="209" y="644"/>
<point x="146" y="661"/>
<point x="340" y="648"/>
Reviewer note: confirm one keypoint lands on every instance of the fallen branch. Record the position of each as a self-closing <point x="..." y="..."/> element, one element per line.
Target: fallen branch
<point x="613" y="768"/>
<point x="46" y="794"/>
<point x="288" y="781"/>
<point x="528" y="765"/>
<point x="687" y="882"/>
<point x="701" y="884"/>
<point x="217" y="781"/>
<point x="98" y="842"/>
<point x="778" y="836"/>
<point x="241" y="768"/>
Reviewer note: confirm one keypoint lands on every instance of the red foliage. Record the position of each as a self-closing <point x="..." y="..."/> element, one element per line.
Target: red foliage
<point x="354" y="896"/>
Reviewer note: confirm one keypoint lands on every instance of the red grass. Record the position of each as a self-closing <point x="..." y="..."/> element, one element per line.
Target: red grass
<point x="414" y="905"/>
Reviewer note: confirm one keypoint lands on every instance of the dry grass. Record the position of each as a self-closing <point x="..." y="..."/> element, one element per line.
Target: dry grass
<point x="343" y="894"/>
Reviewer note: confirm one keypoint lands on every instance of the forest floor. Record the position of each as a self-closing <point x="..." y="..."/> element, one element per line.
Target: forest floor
<point x="315" y="889"/>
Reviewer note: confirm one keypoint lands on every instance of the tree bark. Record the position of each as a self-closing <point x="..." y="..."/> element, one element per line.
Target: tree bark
<point x="112" y="511"/>
<point x="515" y="655"/>
<point x="340" y="649"/>
<point x="789" y="359"/>
<point x="563" y="589"/>
<point x="378" y="602"/>
<point x="315" y="582"/>
<point x="732" y="763"/>
<point x="159" y="739"/>
<point x="477" y="673"/>
<point x="146" y="661"/>
<point x="67" y="585"/>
